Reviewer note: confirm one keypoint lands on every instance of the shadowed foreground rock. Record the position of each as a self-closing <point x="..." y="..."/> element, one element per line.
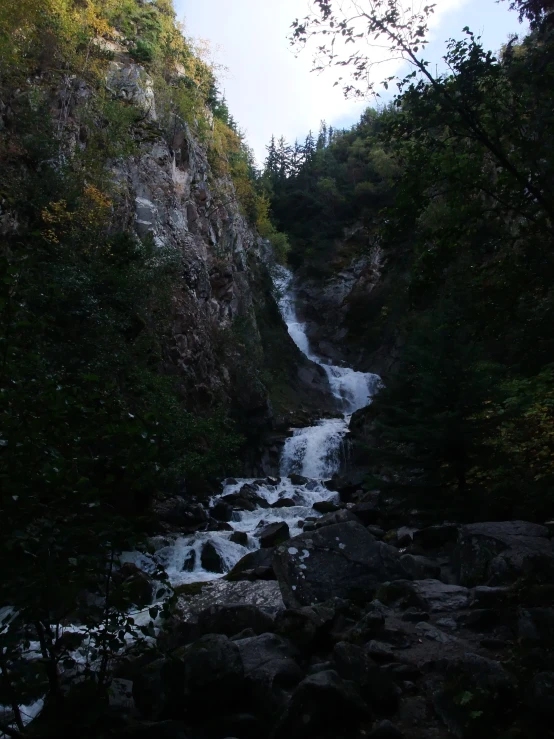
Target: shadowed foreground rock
<point x="341" y="560"/>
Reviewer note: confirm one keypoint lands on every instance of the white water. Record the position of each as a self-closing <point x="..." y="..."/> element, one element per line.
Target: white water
<point x="314" y="452"/>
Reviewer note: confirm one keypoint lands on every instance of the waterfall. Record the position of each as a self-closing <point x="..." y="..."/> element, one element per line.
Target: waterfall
<point x="315" y="451"/>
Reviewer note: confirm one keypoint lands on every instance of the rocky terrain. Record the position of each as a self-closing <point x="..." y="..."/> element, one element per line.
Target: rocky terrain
<point x="354" y="629"/>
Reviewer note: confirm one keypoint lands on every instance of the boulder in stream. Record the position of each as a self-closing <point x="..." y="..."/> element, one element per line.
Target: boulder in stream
<point x="274" y="534"/>
<point x="211" y="559"/>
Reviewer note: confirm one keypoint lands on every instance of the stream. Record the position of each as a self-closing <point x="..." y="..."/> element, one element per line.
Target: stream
<point x="314" y="452"/>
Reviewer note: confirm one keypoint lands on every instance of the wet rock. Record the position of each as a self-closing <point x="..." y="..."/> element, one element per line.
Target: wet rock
<point x="257" y="565"/>
<point x="339" y="516"/>
<point x="214" y="525"/>
<point x="323" y="705"/>
<point x="222" y="511"/>
<point x="177" y="512"/>
<point x="190" y="561"/>
<point x="233" y="618"/>
<point x="325" y="506"/>
<point x="428" y="631"/>
<point x="211" y="559"/>
<point x="274" y="534"/>
<point x="246" y="499"/>
<point x="262" y="594"/>
<point x="341" y="560"/>
<point x="380" y="652"/>
<point x="498" y="553"/>
<point x="536" y="626"/>
<point x="239" y="537"/>
<point x="386" y="730"/>
<point x="376" y="531"/>
<point x="376" y="686"/>
<point x="403" y="537"/>
<point x="284" y="503"/>
<point x="367" y="512"/>
<point x="368" y="627"/>
<point x="298" y="479"/>
<point x="484" y="596"/>
<point x="273" y="480"/>
<point x="436" y="537"/>
<point x="428" y="595"/>
<point x="419" y="567"/>
<point x="309" y="627"/>
<point x="415" y="615"/>
<point x="213" y="672"/>
<point x="540" y="697"/>
<point x="270" y="670"/>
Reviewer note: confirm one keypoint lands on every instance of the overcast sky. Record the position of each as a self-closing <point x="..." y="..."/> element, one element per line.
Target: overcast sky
<point x="270" y="91"/>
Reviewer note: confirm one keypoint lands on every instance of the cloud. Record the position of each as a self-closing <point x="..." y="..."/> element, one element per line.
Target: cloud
<point x="270" y="90"/>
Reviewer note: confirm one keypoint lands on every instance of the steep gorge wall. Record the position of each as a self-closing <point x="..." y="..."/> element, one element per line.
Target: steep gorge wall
<point x="226" y="344"/>
<point x="345" y="306"/>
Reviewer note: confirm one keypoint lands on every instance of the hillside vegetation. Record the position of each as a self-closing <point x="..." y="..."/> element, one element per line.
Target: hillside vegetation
<point x="453" y="183"/>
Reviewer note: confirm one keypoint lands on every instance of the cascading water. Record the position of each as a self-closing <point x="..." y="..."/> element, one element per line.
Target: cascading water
<point x="315" y="452"/>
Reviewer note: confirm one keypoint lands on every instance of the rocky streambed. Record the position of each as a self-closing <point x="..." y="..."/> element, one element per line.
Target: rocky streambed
<point x="306" y="609"/>
<point x="353" y="629"/>
<point x="303" y="608"/>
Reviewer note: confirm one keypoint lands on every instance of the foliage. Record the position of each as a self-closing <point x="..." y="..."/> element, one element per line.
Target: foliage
<point x="453" y="181"/>
<point x="91" y="425"/>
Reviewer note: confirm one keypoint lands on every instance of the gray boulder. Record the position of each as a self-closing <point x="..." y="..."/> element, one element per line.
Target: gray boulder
<point x="436" y="537"/>
<point x="323" y="706"/>
<point x="376" y="686"/>
<point x="270" y="670"/>
<point x="428" y="595"/>
<point x="177" y="512"/>
<point x="212" y="672"/>
<point x="239" y="537"/>
<point x="535" y="626"/>
<point x="308" y="627"/>
<point x="420" y="567"/>
<point x="498" y="553"/>
<point x="540" y="697"/>
<point x="341" y="560"/>
<point x="325" y="506"/>
<point x="222" y="511"/>
<point x="274" y="534"/>
<point x="211" y="559"/>
<point x="246" y="499"/>
<point x="340" y="516"/>
<point x="256" y="565"/>
<point x="231" y="619"/>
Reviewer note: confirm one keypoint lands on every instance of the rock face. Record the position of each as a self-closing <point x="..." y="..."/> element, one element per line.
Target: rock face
<point x="341" y="560"/>
<point x="497" y="553"/>
<point x="227" y="335"/>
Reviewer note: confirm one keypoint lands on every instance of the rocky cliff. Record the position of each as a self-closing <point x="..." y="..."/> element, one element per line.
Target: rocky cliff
<point x="227" y="345"/>
<point x="344" y="305"/>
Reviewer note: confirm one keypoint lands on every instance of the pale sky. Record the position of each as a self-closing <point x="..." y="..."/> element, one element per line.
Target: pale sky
<point x="269" y="91"/>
